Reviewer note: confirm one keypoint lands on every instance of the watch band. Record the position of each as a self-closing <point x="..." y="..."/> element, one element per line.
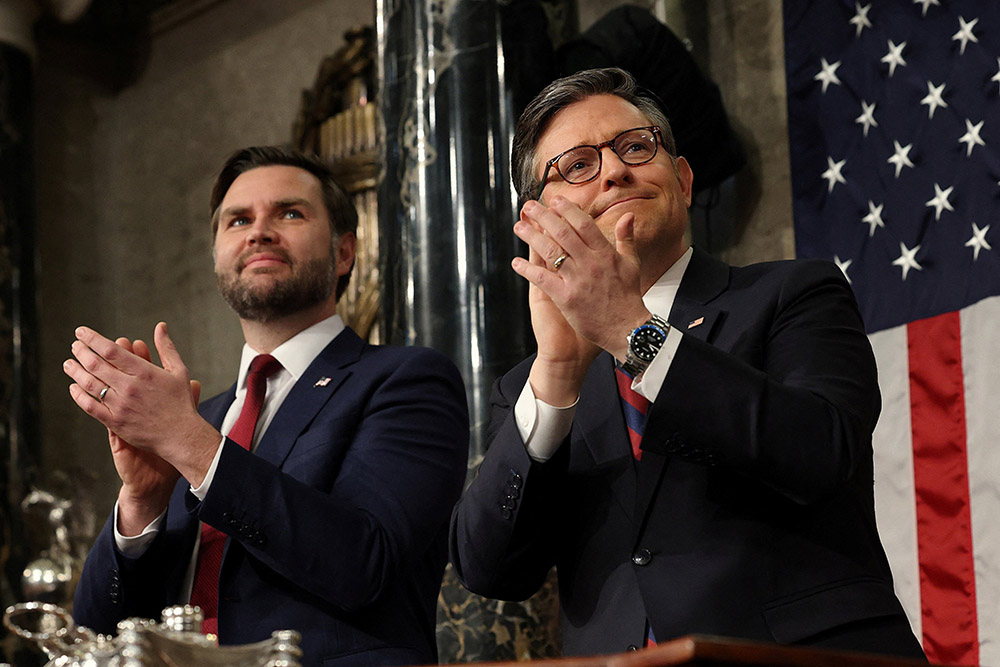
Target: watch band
<point x="644" y="343"/>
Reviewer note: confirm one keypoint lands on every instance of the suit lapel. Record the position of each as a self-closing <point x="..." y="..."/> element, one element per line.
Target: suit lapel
<point x="600" y="422"/>
<point x="312" y="391"/>
<point x="705" y="278"/>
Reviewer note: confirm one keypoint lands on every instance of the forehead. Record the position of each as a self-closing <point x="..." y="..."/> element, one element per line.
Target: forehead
<point x="589" y="121"/>
<point x="271" y="183"/>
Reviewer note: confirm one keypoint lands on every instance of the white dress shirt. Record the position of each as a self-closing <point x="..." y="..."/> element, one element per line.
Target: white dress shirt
<point x="543" y="427"/>
<point x="294" y="355"/>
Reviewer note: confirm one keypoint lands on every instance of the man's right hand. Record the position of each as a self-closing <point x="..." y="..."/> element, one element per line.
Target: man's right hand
<point x="563" y="355"/>
<point x="147" y="480"/>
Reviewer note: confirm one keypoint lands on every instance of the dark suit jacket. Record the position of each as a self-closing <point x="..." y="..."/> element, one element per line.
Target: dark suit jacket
<point x="751" y="512"/>
<point x="337" y="523"/>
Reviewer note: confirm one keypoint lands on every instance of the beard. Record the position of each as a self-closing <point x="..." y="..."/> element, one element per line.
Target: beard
<point x="311" y="283"/>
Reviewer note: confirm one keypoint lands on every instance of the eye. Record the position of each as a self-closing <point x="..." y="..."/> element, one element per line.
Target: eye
<point x="239" y="221"/>
<point x="292" y="214"/>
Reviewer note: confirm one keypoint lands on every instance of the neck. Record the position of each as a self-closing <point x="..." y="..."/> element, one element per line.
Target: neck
<point x="263" y="337"/>
<point x="652" y="268"/>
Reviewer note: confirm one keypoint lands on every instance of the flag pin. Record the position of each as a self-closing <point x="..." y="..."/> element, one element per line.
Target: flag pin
<point x="322" y="382"/>
<point x="696" y="322"/>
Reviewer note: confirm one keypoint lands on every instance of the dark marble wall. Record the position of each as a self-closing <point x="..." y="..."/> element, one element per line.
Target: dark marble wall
<point x="19" y="451"/>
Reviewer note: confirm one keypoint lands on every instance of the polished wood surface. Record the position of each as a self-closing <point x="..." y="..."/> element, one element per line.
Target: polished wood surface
<point x="707" y="651"/>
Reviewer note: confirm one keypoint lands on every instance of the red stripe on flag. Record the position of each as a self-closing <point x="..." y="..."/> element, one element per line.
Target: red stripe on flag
<point x="941" y="480"/>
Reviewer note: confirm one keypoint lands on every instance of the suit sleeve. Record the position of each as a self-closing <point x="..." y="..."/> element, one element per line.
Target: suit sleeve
<point x="502" y="528"/>
<point x="793" y="406"/>
<point x="113" y="587"/>
<point x="359" y="525"/>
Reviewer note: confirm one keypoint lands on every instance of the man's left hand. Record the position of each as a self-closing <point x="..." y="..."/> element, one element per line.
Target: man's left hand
<point x="148" y="406"/>
<point x="597" y="286"/>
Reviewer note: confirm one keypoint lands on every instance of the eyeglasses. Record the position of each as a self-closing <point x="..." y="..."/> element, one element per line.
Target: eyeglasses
<point x="583" y="163"/>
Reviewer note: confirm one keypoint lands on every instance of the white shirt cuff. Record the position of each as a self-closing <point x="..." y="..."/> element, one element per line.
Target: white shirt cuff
<point x="543" y="427"/>
<point x="135" y="546"/>
<point x="648" y="383"/>
<point x="202" y="489"/>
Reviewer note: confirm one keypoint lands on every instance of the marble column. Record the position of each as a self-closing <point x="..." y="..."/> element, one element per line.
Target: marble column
<point x="19" y="445"/>
<point x="446" y="208"/>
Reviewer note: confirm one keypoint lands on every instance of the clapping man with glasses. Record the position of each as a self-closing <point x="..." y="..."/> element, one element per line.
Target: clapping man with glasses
<point x="691" y="445"/>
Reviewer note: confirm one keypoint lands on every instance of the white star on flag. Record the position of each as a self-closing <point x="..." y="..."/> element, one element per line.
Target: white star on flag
<point x="860" y="19"/>
<point x="901" y="157"/>
<point x="843" y="266"/>
<point x="964" y="33"/>
<point x="832" y="173"/>
<point x="934" y="98"/>
<point x="874" y="217"/>
<point x="940" y="201"/>
<point x="867" y="117"/>
<point x="926" y="3"/>
<point x="996" y="77"/>
<point x="971" y="136"/>
<point x="906" y="259"/>
<point x="828" y="74"/>
<point x="978" y="241"/>
<point x="894" y="57"/>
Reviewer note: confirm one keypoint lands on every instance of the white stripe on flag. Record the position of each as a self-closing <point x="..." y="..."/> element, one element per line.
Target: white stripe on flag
<point x="981" y="370"/>
<point x="895" y="499"/>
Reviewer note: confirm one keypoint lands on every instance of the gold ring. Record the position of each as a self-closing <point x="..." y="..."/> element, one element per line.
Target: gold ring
<point x="104" y="392"/>
<point x="559" y="261"/>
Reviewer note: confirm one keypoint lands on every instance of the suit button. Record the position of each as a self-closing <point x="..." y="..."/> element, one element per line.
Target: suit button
<point x="632" y="647"/>
<point x="259" y="539"/>
<point x="513" y="492"/>
<point x="642" y="557"/>
<point x="505" y="513"/>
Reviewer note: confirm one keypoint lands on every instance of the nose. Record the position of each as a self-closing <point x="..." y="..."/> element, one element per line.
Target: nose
<point x="614" y="171"/>
<point x="261" y="232"/>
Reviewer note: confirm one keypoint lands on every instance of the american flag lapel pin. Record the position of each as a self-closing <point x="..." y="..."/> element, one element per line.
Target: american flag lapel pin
<point x="696" y="322"/>
<point x="322" y="382"/>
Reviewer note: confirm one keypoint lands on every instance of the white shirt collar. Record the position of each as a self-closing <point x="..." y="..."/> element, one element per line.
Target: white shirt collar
<point x="296" y="353"/>
<point x="659" y="298"/>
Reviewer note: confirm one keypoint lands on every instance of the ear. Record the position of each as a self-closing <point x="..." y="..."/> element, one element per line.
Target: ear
<point x="685" y="176"/>
<point x="344" y="254"/>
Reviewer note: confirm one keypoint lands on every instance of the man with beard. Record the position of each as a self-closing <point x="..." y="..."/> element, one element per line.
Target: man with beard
<point x="325" y="507"/>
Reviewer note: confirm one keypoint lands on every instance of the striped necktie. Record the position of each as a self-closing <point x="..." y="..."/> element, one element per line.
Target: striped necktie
<point x="635" y="407"/>
<point x="205" y="591"/>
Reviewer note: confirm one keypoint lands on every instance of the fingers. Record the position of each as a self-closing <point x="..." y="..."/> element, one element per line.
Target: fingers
<point x="140" y="349"/>
<point x="169" y="356"/>
<point x="625" y="236"/>
<point x="543" y="249"/>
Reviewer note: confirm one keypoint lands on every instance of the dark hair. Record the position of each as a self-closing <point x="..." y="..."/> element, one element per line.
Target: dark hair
<point x="342" y="215"/>
<point x="566" y="91"/>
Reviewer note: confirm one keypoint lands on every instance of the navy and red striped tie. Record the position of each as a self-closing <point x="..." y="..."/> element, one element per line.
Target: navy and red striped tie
<point x="635" y="406"/>
<point x="205" y="591"/>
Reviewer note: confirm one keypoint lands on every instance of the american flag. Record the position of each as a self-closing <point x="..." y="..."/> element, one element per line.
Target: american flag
<point x="894" y="126"/>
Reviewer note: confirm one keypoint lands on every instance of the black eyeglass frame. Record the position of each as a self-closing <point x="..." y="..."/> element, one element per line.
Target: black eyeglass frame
<point x="610" y="143"/>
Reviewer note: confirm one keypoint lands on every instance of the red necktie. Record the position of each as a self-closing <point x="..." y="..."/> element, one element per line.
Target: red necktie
<point x="635" y="406"/>
<point x="205" y="592"/>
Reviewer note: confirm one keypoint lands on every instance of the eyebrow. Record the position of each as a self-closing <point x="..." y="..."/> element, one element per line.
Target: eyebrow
<point x="275" y="205"/>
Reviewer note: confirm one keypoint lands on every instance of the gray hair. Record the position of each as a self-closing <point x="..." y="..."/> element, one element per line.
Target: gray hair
<point x="560" y="94"/>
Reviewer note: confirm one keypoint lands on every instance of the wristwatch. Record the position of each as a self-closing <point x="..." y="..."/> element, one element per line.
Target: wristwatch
<point x="643" y="344"/>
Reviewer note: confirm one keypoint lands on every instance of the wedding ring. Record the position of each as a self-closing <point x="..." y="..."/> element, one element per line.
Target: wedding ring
<point x="104" y="392"/>
<point x="559" y="261"/>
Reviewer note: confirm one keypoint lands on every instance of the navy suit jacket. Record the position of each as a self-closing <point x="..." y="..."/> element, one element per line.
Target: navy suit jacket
<point x="336" y="524"/>
<point x="751" y="512"/>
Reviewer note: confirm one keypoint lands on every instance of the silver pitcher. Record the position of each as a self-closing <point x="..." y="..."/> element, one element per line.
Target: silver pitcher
<point x="176" y="640"/>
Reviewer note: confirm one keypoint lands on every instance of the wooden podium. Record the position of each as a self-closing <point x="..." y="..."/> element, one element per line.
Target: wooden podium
<point x="707" y="651"/>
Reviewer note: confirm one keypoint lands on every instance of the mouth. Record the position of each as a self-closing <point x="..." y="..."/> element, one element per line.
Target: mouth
<point x="619" y="202"/>
<point x="263" y="260"/>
